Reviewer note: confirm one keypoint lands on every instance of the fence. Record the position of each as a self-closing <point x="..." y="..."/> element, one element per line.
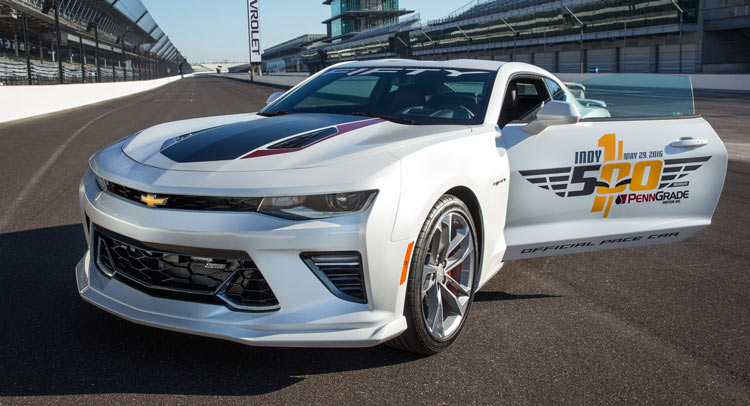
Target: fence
<point x="14" y="72"/>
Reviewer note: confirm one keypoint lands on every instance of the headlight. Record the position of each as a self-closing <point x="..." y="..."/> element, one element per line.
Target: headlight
<point x="100" y="182"/>
<point x="317" y="206"/>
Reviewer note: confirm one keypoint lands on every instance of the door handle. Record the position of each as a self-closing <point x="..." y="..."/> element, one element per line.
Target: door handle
<point x="688" y="142"/>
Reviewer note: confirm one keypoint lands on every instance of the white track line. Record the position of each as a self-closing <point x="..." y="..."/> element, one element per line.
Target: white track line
<point x="15" y="204"/>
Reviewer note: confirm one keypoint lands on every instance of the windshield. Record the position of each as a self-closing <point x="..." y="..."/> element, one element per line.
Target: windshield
<point x="636" y="95"/>
<point x="401" y="94"/>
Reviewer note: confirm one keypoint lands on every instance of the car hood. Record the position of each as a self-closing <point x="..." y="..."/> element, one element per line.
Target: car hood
<point x="247" y="142"/>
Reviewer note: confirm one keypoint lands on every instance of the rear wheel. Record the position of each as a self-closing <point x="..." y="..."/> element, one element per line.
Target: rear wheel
<point x="442" y="279"/>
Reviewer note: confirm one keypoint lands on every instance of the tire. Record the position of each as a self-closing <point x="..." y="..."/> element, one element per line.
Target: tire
<point x="436" y="308"/>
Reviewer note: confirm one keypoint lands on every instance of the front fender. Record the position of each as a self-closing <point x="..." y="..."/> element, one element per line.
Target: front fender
<point x="470" y="160"/>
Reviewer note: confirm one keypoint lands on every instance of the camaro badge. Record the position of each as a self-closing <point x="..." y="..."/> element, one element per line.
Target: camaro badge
<point x="153" y="201"/>
<point x="615" y="176"/>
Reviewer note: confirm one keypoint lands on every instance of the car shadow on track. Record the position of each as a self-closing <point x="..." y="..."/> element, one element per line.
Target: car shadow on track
<point x="483" y="296"/>
<point x="56" y="344"/>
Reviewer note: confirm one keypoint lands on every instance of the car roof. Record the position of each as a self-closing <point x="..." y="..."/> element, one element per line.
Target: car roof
<point x="454" y="63"/>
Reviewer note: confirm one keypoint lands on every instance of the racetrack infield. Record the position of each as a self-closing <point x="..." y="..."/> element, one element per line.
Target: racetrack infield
<point x="659" y="325"/>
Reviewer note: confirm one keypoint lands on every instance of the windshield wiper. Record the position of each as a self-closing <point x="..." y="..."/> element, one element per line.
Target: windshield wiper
<point x="400" y="120"/>
<point x="275" y="113"/>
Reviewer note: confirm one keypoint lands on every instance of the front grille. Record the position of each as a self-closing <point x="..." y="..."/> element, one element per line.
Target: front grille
<point x="189" y="202"/>
<point x="340" y="272"/>
<point x="220" y="277"/>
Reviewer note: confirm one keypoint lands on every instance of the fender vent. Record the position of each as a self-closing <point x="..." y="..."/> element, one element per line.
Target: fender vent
<point x="340" y="272"/>
<point x="305" y="140"/>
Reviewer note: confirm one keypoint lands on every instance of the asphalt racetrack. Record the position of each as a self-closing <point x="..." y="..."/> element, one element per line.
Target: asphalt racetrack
<point x="656" y="325"/>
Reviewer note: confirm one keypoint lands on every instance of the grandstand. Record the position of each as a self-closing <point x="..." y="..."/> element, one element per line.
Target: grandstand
<point x="370" y="44"/>
<point x="286" y="56"/>
<point x="687" y="36"/>
<point x="477" y="8"/>
<point x="79" y="41"/>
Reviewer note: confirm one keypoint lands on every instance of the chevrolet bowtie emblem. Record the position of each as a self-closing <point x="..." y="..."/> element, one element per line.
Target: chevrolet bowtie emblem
<point x="153" y="201"/>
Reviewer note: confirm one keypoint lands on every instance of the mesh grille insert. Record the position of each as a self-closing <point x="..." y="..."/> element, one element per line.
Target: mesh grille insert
<point x="174" y="273"/>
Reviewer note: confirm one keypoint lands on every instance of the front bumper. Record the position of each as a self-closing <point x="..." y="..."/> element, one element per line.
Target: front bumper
<point x="309" y="315"/>
<point x="360" y="328"/>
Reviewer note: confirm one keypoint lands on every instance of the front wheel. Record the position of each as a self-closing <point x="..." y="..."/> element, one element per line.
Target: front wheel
<point x="442" y="279"/>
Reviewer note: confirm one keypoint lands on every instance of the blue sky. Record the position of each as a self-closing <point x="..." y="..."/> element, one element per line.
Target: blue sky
<point x="216" y="30"/>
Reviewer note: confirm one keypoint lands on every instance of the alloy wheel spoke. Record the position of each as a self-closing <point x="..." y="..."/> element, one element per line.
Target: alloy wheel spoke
<point x="429" y="275"/>
<point x="458" y="239"/>
<point x="434" y="305"/>
<point x="461" y="288"/>
<point x="453" y="302"/>
<point x="434" y="247"/>
<point x="437" y="321"/>
<point x="445" y="235"/>
<point x="460" y="260"/>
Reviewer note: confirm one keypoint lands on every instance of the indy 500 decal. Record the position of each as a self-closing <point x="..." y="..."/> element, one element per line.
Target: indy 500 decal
<point x="612" y="175"/>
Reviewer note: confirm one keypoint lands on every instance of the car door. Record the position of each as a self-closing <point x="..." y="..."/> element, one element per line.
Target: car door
<point x="605" y="183"/>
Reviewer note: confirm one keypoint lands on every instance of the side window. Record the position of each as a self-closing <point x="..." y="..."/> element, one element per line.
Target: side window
<point x="555" y="90"/>
<point x="523" y="98"/>
<point x="350" y="91"/>
<point x="526" y="89"/>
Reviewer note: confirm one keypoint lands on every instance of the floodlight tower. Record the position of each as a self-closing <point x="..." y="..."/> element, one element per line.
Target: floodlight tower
<point x="679" y="28"/>
<point x="582" y="25"/>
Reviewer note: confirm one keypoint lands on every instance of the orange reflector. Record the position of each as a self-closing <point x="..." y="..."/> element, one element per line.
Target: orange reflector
<point x="407" y="259"/>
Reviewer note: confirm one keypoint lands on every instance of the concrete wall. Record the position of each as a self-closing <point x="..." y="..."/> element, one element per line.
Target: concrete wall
<point x="18" y="102"/>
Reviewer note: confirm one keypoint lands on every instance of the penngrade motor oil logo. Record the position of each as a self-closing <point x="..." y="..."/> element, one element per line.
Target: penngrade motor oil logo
<point x="615" y="176"/>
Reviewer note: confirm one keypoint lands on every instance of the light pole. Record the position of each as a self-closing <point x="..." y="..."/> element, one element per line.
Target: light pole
<point x="60" y="71"/>
<point x="26" y="47"/>
<point x="580" y="23"/>
<point x="94" y="25"/>
<point x="679" y="28"/>
<point x="625" y="47"/>
<point x="46" y="5"/>
<point x="515" y="37"/>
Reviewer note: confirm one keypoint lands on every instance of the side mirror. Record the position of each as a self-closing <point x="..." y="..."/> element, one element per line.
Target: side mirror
<point x="577" y="90"/>
<point x="593" y="103"/>
<point x="553" y="113"/>
<point x="273" y="97"/>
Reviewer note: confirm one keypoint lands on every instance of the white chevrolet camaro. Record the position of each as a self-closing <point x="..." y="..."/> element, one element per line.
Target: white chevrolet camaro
<point x="369" y="203"/>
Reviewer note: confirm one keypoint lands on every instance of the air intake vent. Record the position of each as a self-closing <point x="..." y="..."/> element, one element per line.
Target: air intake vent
<point x="340" y="272"/>
<point x="305" y="140"/>
<point x="184" y="273"/>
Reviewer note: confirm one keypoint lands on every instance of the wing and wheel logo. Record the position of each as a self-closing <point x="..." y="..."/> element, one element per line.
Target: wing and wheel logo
<point x="152" y="200"/>
<point x="618" y="177"/>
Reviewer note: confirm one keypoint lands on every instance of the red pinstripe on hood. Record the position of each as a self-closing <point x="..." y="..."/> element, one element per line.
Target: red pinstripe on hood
<point x="340" y="129"/>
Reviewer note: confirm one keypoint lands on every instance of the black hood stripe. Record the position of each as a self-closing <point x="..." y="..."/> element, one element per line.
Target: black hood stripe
<point x="232" y="141"/>
<point x="339" y="129"/>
